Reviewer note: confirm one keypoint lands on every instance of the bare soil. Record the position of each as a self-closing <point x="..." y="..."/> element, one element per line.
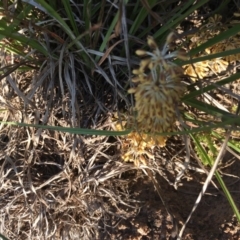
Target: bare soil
<point x="213" y="218"/>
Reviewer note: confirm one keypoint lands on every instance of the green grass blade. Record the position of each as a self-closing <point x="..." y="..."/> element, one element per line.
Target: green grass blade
<point x="107" y="35"/>
<point x="175" y="21"/>
<point x="235" y="145"/>
<point x="220" y="37"/>
<point x="82" y="131"/>
<point x="136" y="7"/>
<point x="207" y="108"/>
<point x="25" y="41"/>
<point x="69" y="12"/>
<point x="178" y="11"/>
<point x="218" y="177"/>
<point x="211" y="56"/>
<point x="228" y="121"/>
<point x="87" y="6"/>
<point x="195" y="93"/>
<point x="51" y="12"/>
<point x="16" y="20"/>
<point x="3" y="237"/>
<point x="228" y="195"/>
<point x="222" y="7"/>
<point x="140" y="17"/>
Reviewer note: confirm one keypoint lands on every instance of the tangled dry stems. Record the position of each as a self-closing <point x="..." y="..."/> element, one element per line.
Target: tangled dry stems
<point x="53" y="184"/>
<point x="51" y="191"/>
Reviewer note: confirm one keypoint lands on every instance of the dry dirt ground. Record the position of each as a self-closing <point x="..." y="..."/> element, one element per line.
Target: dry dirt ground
<point x="213" y="219"/>
<point x="124" y="205"/>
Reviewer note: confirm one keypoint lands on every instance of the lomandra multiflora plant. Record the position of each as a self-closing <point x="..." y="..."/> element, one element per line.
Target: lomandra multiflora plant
<point x="157" y="93"/>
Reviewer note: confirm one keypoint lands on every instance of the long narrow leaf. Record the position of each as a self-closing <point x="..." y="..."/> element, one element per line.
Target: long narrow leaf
<point x="211" y="56"/>
<point x="69" y="12"/>
<point x="50" y="11"/>
<point x="25" y="41"/>
<point x="228" y="122"/>
<point x="178" y="12"/>
<point x="198" y="92"/>
<point x="140" y="18"/>
<point x="220" y="37"/>
<point x="230" y="142"/>
<point x="174" y="21"/>
<point x="211" y="110"/>
<point x="217" y="175"/>
<point x="3" y="237"/>
<point x="82" y="131"/>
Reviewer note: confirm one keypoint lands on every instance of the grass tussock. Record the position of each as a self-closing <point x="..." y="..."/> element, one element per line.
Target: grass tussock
<point x="66" y="71"/>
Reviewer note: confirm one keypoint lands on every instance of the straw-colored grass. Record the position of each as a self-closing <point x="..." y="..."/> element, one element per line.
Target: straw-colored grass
<point x="65" y="70"/>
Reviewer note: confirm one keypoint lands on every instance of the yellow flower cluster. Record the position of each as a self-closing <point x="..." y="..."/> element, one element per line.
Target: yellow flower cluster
<point x="212" y="28"/>
<point x="202" y="69"/>
<point x="137" y="146"/>
<point x="197" y="70"/>
<point x="159" y="88"/>
<point x="158" y="91"/>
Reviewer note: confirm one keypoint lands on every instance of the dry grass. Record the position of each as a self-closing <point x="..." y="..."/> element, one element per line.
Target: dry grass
<point x="56" y="185"/>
